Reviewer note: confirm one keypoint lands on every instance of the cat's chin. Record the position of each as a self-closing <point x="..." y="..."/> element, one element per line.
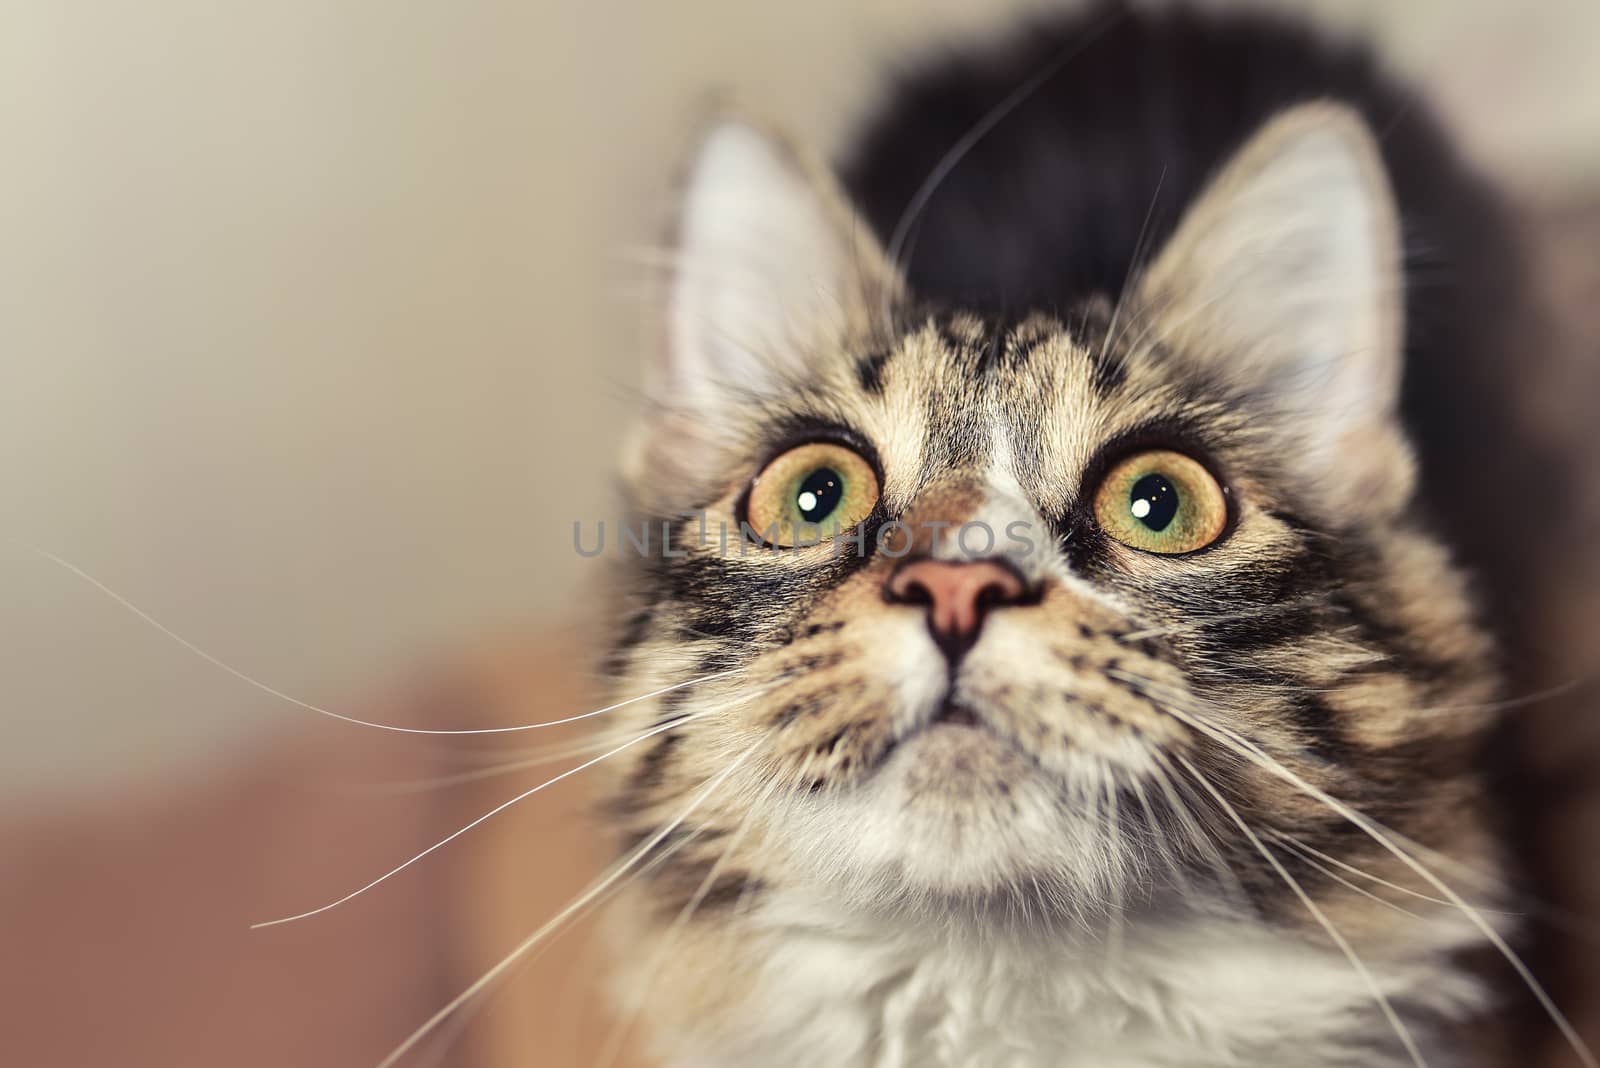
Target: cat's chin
<point x="957" y="810"/>
<point x="955" y="761"/>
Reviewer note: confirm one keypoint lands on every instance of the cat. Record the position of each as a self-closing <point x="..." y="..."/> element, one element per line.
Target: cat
<point x="1085" y="618"/>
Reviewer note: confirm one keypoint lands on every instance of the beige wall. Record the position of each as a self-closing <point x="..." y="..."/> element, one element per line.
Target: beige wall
<point x="317" y="319"/>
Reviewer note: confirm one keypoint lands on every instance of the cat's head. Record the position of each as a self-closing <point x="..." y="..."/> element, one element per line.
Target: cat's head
<point x="1057" y="611"/>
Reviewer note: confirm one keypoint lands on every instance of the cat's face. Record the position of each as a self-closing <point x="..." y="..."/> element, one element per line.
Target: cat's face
<point x="1095" y="602"/>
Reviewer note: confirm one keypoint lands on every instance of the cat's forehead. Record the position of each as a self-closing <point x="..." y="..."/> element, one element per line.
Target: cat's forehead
<point x="1037" y="397"/>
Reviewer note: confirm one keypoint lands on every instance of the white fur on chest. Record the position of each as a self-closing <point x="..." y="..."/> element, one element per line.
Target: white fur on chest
<point x="1203" y="993"/>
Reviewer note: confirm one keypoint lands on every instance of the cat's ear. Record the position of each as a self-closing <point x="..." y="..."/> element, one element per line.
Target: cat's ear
<point x="1283" y="281"/>
<point x="773" y="270"/>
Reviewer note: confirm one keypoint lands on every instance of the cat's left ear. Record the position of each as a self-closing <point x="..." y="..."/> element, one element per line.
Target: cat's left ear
<point x="1283" y="283"/>
<point x="773" y="270"/>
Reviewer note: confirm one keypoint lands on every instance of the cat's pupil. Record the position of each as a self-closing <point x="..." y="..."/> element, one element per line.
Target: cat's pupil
<point x="1153" y="501"/>
<point x="819" y="494"/>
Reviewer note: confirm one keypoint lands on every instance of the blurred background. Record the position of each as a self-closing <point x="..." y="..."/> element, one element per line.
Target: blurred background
<point x="318" y="327"/>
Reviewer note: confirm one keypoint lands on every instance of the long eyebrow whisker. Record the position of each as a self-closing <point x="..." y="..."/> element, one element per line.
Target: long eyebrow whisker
<point x="1135" y="264"/>
<point x="896" y="247"/>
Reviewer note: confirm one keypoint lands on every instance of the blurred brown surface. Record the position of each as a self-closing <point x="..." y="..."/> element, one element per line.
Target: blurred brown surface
<point x="124" y="924"/>
<point x="126" y="933"/>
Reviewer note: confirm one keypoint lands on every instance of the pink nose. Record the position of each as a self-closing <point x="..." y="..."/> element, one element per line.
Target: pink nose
<point x="958" y="594"/>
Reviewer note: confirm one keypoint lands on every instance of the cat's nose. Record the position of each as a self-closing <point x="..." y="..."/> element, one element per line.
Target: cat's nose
<point x="958" y="594"/>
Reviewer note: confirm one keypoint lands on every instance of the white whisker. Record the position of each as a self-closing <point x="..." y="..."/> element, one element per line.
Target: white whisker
<point x="541" y="756"/>
<point x="1305" y="852"/>
<point x="670" y="725"/>
<point x="1315" y="910"/>
<point x="619" y="1033"/>
<point x="289" y="698"/>
<point x="1301" y="847"/>
<point x="595" y="890"/>
<point x="1250" y="751"/>
<point x="1133" y="268"/>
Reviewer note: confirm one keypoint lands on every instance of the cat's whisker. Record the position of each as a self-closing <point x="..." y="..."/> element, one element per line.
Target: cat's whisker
<point x="272" y="691"/>
<point x="1243" y="747"/>
<point x="1316" y="911"/>
<point x="593" y="892"/>
<point x="406" y="787"/>
<point x="790" y="787"/>
<point x="1512" y="703"/>
<point x="458" y="833"/>
<point x="1203" y="843"/>
<point x="588" y="715"/>
<point x="630" y="1015"/>
<point x="1308" y="856"/>
<point x="671" y="724"/>
<point x="1495" y="884"/>
<point x="537" y="757"/>
<point x="1311" y="852"/>
<point x="1573" y="924"/>
<point x="665" y="854"/>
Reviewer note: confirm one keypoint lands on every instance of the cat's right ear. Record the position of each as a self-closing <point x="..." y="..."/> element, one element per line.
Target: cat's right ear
<point x="772" y="271"/>
<point x="1283" y="283"/>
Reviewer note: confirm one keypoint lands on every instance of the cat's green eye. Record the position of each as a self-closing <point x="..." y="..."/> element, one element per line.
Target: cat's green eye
<point x="1161" y="502"/>
<point x="811" y="493"/>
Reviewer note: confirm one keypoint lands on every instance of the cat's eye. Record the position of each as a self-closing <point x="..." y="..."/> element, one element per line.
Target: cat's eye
<point x="1161" y="502"/>
<point x="810" y="493"/>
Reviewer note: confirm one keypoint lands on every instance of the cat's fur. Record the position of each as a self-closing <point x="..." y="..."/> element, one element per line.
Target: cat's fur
<point x="1137" y="860"/>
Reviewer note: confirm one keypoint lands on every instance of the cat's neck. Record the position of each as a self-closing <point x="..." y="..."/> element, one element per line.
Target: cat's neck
<point x="1196" y="991"/>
